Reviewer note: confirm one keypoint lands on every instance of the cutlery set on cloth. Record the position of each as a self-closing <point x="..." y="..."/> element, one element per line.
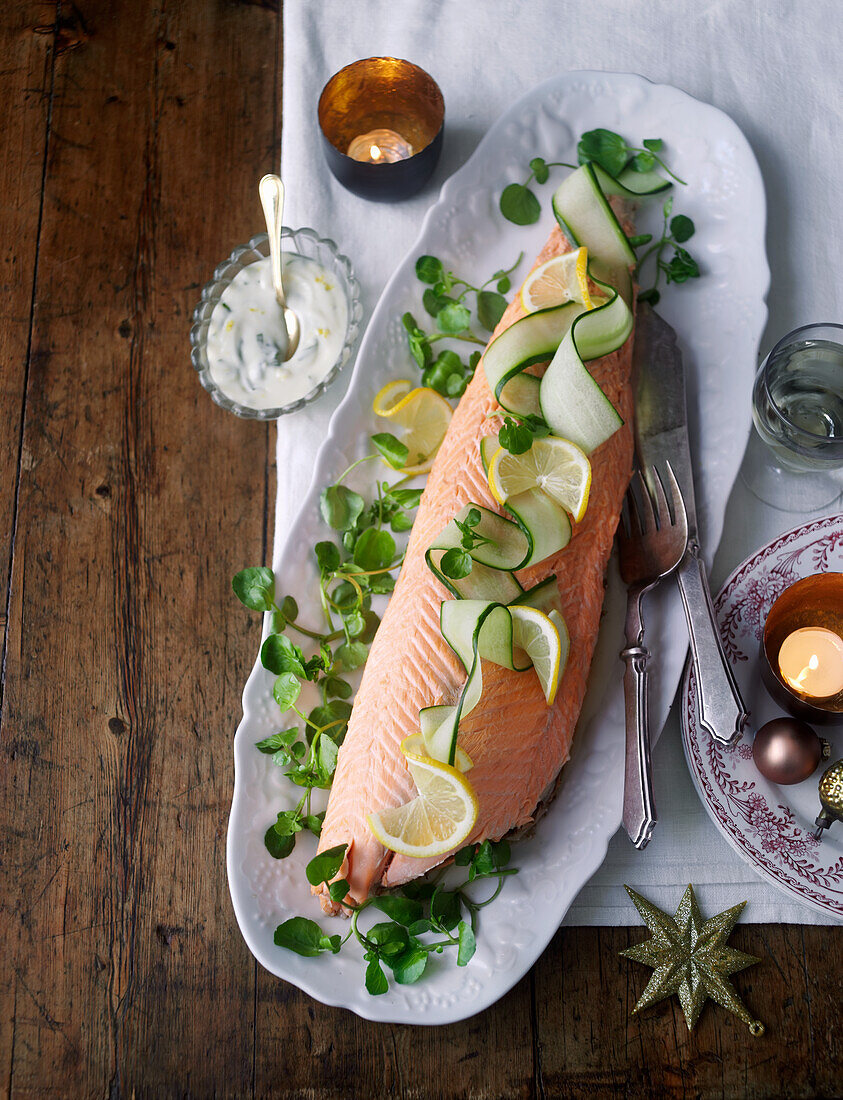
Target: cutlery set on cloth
<point x="659" y="538"/>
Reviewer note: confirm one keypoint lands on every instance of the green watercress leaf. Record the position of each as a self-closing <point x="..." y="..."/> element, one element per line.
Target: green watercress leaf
<point x="539" y="169"/>
<point x="445" y="908"/>
<point x="288" y="823"/>
<point x="376" y="982"/>
<point x="605" y="148"/>
<point x="327" y="556"/>
<point x="390" y="939"/>
<point x="456" y="564"/>
<point x="305" y="937"/>
<point x="289" y="609"/>
<point x="401" y="910"/>
<point x="643" y="162"/>
<point x="682" y="228"/>
<point x="453" y="318"/>
<point x="429" y="269"/>
<point x="281" y="740"/>
<point x="681" y="267"/>
<point x="340" y="507"/>
<point x="518" y="204"/>
<point x="327" y="757"/>
<point x="336" y="686"/>
<point x="655" y="145"/>
<point x="255" y="587"/>
<point x="490" y="308"/>
<point x="401" y="522"/>
<point x="406" y="498"/>
<point x="410" y="965"/>
<point x="286" y="690"/>
<point x="434" y="303"/>
<point x="516" y="438"/>
<point x="467" y="944"/>
<point x="279" y="847"/>
<point x="354" y="624"/>
<point x="279" y="654"/>
<point x="351" y="655"/>
<point x="325" y="865"/>
<point x="392" y="449"/>
<point x="374" y="550"/>
<point x="338" y="890"/>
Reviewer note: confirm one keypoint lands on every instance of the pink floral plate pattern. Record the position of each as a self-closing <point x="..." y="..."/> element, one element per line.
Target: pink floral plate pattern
<point x="770" y="826"/>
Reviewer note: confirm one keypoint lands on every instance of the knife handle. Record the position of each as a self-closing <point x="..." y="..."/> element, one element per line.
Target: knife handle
<point x="720" y="706"/>
<point x="639" y="811"/>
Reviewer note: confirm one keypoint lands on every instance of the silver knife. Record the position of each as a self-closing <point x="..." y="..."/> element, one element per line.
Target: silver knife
<point x="661" y="434"/>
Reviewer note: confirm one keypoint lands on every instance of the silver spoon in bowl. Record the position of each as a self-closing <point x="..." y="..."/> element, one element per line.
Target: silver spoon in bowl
<point x="271" y="190"/>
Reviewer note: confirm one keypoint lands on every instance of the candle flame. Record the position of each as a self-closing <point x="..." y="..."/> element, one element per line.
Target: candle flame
<point x="375" y="153"/>
<point x="813" y="663"/>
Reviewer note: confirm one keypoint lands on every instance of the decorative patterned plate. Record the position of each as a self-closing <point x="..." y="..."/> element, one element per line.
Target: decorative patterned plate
<point x="770" y="826"/>
<point x="719" y="318"/>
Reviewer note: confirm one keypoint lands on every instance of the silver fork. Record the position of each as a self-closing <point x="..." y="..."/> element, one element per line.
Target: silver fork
<point x="652" y="543"/>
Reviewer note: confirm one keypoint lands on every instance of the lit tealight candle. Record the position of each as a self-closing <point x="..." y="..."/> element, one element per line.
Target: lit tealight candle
<point x="811" y="661"/>
<point x="380" y="147"/>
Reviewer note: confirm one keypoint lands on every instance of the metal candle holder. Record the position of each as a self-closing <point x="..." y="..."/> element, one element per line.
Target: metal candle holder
<point x="815" y="601"/>
<point x="382" y="93"/>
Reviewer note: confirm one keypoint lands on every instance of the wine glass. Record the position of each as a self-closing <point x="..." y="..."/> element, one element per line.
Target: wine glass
<point x="795" y="455"/>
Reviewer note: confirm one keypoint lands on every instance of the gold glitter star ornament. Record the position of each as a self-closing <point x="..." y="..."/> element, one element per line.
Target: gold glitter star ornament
<point x="690" y="958"/>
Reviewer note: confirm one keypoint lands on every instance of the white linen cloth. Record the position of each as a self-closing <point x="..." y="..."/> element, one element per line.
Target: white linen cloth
<point x="774" y="69"/>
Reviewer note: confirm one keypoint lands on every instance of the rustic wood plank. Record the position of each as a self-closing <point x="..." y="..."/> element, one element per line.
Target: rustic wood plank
<point x="589" y="1046"/>
<point x="138" y="501"/>
<point x="309" y="1052"/>
<point x="27" y="52"/>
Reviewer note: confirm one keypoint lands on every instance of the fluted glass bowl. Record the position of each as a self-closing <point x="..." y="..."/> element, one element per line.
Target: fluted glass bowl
<point x="304" y="242"/>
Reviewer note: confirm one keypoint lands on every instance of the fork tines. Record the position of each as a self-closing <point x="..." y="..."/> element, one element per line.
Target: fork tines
<point x="646" y="506"/>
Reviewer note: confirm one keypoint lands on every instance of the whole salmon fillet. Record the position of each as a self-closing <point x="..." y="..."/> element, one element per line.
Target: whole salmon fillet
<point x="517" y="742"/>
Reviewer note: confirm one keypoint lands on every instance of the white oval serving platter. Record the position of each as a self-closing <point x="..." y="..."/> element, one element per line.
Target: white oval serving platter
<point x="719" y="320"/>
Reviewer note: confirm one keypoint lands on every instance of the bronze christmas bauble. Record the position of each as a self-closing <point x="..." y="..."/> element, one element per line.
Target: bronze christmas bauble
<point x="787" y="750"/>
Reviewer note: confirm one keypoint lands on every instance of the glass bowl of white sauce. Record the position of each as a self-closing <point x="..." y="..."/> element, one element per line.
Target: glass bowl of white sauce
<point x="238" y="338"/>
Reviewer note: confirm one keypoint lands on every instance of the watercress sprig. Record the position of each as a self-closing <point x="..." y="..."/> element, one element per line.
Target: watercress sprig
<point x="677" y="267"/>
<point x="445" y="300"/>
<point x="457" y="563"/>
<point x="413" y="911"/>
<point x="517" y="434"/>
<point x="612" y="153"/>
<point x="518" y="203"/>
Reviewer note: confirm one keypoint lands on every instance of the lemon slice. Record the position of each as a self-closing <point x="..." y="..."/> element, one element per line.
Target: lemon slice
<point x="414" y="746"/>
<point x="561" y="279"/>
<point x="537" y="635"/>
<point x="556" y="466"/>
<point x="422" y="413"/>
<point x="434" y="823"/>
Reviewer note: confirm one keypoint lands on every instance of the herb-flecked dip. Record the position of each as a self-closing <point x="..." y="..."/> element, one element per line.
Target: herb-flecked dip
<point x="247" y="340"/>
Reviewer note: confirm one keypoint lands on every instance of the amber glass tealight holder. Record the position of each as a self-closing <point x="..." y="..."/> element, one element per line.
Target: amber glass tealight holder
<point x="798" y="675"/>
<point x="382" y="121"/>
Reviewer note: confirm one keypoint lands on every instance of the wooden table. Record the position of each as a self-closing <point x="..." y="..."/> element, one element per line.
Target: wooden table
<point x="133" y="136"/>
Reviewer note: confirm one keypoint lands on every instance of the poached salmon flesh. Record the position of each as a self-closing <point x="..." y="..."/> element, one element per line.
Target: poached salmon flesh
<point x="517" y="742"/>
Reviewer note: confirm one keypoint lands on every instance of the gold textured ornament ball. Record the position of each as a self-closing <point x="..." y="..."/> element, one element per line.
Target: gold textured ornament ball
<point x="831" y="797"/>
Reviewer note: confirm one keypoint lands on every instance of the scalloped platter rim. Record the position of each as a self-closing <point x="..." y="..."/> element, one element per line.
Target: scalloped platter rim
<point x="717" y="325"/>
